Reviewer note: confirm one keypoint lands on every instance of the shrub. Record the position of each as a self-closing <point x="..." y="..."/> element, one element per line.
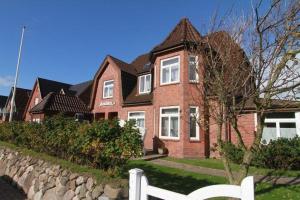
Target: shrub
<point x="102" y="144"/>
<point x="233" y="152"/>
<point x="282" y="153"/>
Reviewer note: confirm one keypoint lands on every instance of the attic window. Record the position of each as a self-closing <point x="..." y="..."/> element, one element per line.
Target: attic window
<point x="145" y="84"/>
<point x="147" y="66"/>
<point x="36" y="101"/>
<point x="62" y="92"/>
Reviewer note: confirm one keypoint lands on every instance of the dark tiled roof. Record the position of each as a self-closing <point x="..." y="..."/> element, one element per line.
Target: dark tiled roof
<point x="275" y="104"/>
<point x="124" y="66"/>
<point x="184" y="32"/>
<point x="142" y="63"/>
<point x="60" y="103"/>
<point x="3" y="100"/>
<point x="135" y="99"/>
<point x="82" y="90"/>
<point x="47" y="86"/>
<point x="21" y="98"/>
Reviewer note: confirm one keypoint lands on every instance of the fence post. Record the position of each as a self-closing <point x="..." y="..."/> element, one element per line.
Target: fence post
<point x="247" y="188"/>
<point x="135" y="176"/>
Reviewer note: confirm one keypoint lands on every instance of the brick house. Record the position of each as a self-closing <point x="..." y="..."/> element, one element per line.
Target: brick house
<point x="160" y="91"/>
<point x="21" y="98"/>
<point x="50" y="97"/>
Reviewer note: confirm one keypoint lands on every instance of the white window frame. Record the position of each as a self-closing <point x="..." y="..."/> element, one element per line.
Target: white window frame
<point x="129" y="118"/>
<point x="169" y="115"/>
<point x="197" y="75"/>
<point x="36" y="101"/>
<point x="103" y="95"/>
<point x="277" y="121"/>
<point x="169" y="66"/>
<point x="145" y="78"/>
<point x="36" y="120"/>
<point x="197" y="138"/>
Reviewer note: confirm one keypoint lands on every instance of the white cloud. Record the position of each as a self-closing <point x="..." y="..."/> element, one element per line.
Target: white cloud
<point x="6" y="81"/>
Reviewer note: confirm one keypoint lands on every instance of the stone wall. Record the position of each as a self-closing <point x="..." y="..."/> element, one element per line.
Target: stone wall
<point x="42" y="180"/>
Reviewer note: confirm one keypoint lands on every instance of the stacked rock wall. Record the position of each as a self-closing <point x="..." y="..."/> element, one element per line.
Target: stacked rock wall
<point x="41" y="180"/>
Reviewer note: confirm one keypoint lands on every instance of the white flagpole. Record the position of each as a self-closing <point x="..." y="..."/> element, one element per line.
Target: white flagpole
<point x="12" y="104"/>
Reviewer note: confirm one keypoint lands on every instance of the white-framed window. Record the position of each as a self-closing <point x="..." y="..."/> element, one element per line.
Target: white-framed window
<point x="282" y="124"/>
<point x="169" y="122"/>
<point x="139" y="118"/>
<point x="193" y="68"/>
<point x="194" y="126"/>
<point x="36" y="101"/>
<point x="108" y="89"/>
<point x="170" y="70"/>
<point x="36" y="120"/>
<point x="145" y="84"/>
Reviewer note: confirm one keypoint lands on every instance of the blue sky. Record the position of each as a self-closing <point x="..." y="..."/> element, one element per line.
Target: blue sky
<point x="67" y="40"/>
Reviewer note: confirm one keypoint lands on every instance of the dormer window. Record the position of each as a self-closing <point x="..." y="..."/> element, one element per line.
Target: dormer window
<point x="108" y="89"/>
<point x="193" y="69"/>
<point x="145" y="84"/>
<point x="36" y="101"/>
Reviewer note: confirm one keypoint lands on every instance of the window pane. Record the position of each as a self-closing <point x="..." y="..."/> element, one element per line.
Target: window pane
<point x="170" y="61"/>
<point x="106" y="92"/>
<point x="174" y="127"/>
<point x="165" y="75"/>
<point x="137" y="114"/>
<point x="192" y="68"/>
<point x="148" y="83"/>
<point x="280" y="115"/>
<point x="193" y="125"/>
<point x="175" y="73"/>
<point x="288" y="130"/>
<point x="140" y="123"/>
<point x="110" y="91"/>
<point x="170" y="111"/>
<point x="165" y="126"/>
<point x="269" y="132"/>
<point x="142" y="83"/>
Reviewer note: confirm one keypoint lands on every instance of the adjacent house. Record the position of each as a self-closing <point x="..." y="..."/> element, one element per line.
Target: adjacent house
<point x="159" y="90"/>
<point x="50" y="97"/>
<point x="21" y="98"/>
<point x="3" y="100"/>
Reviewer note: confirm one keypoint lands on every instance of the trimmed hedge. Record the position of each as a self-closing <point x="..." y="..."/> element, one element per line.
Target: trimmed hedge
<point x="281" y="154"/>
<point x="102" y="144"/>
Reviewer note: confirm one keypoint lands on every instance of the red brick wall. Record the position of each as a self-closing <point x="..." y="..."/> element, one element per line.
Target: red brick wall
<point x="246" y="125"/>
<point x="111" y="72"/>
<point x="34" y="94"/>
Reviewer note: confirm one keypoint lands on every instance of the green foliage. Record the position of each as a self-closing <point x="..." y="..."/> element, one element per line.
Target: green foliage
<point x="102" y="144"/>
<point x="234" y="153"/>
<point x="279" y="154"/>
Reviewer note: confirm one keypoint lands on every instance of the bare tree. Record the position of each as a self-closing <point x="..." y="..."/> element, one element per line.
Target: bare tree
<point x="251" y="60"/>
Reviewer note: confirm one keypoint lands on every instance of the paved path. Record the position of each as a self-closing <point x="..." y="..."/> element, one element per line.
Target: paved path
<point x="218" y="172"/>
<point x="8" y="192"/>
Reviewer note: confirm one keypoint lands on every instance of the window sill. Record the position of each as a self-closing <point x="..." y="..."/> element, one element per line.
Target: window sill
<point x="166" y="84"/>
<point x="169" y="139"/>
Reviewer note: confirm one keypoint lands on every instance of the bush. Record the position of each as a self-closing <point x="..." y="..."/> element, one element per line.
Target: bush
<point x="102" y="144"/>
<point x="234" y="153"/>
<point x="282" y="153"/>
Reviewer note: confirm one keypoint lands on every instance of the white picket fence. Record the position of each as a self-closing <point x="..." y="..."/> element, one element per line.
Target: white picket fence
<point x="139" y="189"/>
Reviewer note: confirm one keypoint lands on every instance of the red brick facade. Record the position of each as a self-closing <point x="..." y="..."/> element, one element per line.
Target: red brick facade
<point x="35" y="98"/>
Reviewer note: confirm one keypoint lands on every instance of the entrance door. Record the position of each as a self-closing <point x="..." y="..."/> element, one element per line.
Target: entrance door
<point x="139" y="118"/>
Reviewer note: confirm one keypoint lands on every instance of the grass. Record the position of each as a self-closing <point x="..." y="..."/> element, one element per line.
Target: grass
<point x="185" y="182"/>
<point x="99" y="175"/>
<point x="217" y="164"/>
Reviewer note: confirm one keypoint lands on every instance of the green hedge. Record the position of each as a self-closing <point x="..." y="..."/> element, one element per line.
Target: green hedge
<point x="102" y="144"/>
<point x="282" y="154"/>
